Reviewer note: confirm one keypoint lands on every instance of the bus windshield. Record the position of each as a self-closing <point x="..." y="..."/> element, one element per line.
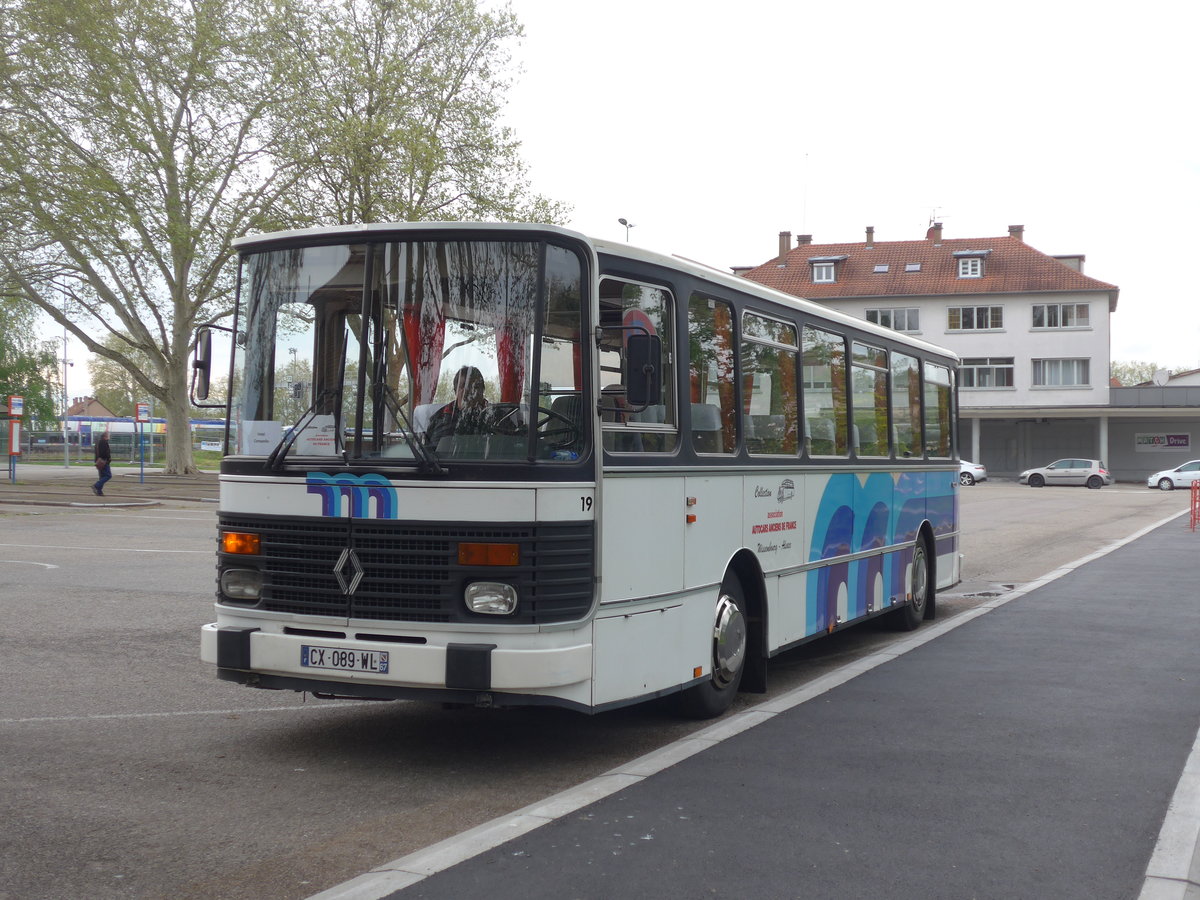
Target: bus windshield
<point x="412" y="352"/>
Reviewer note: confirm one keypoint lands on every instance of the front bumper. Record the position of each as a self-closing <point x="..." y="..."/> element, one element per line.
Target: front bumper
<point x="463" y="661"/>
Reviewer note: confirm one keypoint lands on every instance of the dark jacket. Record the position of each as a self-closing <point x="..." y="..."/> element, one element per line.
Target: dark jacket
<point x="103" y="454"/>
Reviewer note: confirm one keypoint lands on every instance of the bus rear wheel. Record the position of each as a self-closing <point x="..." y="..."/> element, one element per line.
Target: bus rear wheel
<point x="729" y="646"/>
<point x="920" y="591"/>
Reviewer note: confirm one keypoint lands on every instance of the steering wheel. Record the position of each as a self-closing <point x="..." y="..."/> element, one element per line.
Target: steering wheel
<point x="564" y="431"/>
<point x="555" y="430"/>
<point x="506" y="419"/>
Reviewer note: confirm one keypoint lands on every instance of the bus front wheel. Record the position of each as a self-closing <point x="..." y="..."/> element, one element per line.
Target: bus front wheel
<point x="729" y="645"/>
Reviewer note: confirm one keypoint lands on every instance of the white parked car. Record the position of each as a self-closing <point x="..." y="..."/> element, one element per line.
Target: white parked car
<point x="1179" y="477"/>
<point x="969" y="472"/>
<point x="1090" y="472"/>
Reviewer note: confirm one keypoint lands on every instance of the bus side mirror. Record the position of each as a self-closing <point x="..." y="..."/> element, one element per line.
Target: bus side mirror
<point x="643" y="370"/>
<point x="201" y="364"/>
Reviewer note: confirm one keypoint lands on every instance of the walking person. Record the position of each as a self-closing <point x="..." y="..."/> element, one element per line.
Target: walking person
<point x="103" y="464"/>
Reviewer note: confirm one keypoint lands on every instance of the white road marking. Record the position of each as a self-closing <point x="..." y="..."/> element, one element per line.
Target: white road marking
<point x="105" y="549"/>
<point x="340" y="704"/>
<point x="26" y="562"/>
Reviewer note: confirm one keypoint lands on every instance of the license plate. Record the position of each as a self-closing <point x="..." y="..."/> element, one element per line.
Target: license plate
<point x="316" y="657"/>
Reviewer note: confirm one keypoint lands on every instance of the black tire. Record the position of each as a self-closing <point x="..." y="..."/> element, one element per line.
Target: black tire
<point x="730" y="646"/>
<point x="1166" y="484"/>
<point x="966" y="478"/>
<point x="1095" y="483"/>
<point x="920" y="593"/>
<point x="1037" y="481"/>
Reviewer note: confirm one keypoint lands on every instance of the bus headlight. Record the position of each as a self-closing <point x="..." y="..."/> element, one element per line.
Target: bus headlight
<point x="491" y="597"/>
<point x="242" y="585"/>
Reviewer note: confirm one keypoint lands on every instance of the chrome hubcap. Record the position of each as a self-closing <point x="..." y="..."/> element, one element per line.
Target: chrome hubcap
<point x="729" y="641"/>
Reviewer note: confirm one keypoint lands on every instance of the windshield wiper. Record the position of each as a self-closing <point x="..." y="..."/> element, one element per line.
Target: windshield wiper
<point x="427" y="460"/>
<point x="279" y="454"/>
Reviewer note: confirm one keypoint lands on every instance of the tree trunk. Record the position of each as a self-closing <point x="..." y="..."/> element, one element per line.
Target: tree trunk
<point x="180" y="460"/>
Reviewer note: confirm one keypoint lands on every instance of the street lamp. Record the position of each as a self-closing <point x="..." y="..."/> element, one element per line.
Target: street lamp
<point x="627" y="225"/>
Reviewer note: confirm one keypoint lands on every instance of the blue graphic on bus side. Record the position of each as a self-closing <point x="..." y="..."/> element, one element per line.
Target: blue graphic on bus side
<point x="359" y="490"/>
<point x="854" y="516"/>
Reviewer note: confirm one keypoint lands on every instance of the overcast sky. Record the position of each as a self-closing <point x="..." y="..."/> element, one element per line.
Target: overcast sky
<point x="714" y="126"/>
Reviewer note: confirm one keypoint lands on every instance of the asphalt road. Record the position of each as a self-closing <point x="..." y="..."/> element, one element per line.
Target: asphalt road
<point x="130" y="772"/>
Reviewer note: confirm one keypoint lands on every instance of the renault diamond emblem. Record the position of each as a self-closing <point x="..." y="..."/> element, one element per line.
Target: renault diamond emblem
<point x="348" y="558"/>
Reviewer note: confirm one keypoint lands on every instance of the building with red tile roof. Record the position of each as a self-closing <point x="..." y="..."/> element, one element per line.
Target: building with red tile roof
<point x="924" y="268"/>
<point x="1031" y="329"/>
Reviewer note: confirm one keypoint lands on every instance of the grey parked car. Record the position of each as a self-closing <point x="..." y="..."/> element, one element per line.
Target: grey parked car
<point x="1089" y="472"/>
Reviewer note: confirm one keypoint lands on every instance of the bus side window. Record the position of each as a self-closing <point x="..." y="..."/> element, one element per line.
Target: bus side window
<point x="906" y="405"/>
<point x="825" y="403"/>
<point x="630" y="313"/>
<point x="711" y="372"/>
<point x="939" y="393"/>
<point x="770" y="398"/>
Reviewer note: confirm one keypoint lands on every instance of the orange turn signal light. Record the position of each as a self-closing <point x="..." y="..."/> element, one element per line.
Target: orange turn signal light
<point x="489" y="554"/>
<point x="240" y="542"/>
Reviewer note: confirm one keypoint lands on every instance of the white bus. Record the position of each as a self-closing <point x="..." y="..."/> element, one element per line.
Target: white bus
<point x="514" y="465"/>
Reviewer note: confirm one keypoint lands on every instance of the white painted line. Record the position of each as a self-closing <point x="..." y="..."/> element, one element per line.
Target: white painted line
<point x="409" y="870"/>
<point x="26" y="562"/>
<point x="100" y="717"/>
<point x="105" y="549"/>
<point x="202" y="517"/>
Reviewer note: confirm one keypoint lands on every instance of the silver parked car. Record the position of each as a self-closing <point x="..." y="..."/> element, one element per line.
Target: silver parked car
<point x="1090" y="472"/>
<point x="969" y="472"/>
<point x="1179" y="477"/>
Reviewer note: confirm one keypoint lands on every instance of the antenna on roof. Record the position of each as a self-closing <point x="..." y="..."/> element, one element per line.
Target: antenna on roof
<point x="934" y="216"/>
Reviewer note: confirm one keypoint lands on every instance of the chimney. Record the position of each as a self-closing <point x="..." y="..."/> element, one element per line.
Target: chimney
<point x="934" y="233"/>
<point x="802" y="239"/>
<point x="870" y="236"/>
<point x="1017" y="231"/>
<point x="785" y="241"/>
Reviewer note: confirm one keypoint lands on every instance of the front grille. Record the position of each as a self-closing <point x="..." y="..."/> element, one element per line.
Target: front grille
<point x="411" y="571"/>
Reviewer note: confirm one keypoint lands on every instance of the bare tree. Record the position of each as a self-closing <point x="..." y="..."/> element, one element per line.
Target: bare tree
<point x="138" y="138"/>
<point x="1133" y="372"/>
<point x="134" y="146"/>
<point x="398" y="116"/>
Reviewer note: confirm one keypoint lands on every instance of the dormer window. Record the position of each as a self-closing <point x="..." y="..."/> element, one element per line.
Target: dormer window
<point x="970" y="262"/>
<point x="824" y="268"/>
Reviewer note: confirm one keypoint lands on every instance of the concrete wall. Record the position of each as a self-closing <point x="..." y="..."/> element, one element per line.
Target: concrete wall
<point x="1128" y="463"/>
<point x="1011" y="445"/>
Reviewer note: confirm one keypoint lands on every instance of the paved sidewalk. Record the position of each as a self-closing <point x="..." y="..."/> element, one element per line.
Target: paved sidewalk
<point x="1029" y="749"/>
<point x="57" y="485"/>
